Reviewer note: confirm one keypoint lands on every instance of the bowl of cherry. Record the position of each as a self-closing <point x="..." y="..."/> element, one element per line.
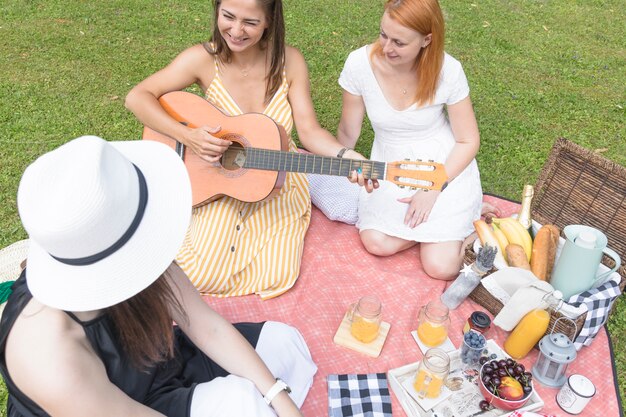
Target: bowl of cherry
<point x="504" y="383"/>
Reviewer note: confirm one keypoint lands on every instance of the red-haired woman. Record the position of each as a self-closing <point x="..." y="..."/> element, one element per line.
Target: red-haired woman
<point x="406" y="83"/>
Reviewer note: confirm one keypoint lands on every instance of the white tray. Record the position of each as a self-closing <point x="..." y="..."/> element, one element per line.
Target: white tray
<point x="462" y="403"/>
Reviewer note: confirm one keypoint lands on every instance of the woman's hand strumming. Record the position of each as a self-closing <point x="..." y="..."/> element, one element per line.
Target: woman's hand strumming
<point x="205" y="145"/>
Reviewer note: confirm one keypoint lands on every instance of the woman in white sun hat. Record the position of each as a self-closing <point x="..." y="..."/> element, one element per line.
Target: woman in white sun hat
<point x="88" y="330"/>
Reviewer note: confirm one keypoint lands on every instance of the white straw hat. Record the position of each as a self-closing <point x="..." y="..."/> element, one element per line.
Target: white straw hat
<point x="105" y="219"/>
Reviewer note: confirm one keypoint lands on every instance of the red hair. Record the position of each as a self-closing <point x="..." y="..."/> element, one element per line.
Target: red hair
<point x="423" y="16"/>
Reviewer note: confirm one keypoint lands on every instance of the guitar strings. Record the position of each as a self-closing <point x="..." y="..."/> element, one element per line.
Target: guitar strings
<point x="284" y="161"/>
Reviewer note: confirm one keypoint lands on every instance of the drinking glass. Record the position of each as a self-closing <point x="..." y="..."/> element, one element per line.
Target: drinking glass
<point x="433" y="323"/>
<point x="365" y="317"/>
<point x="432" y="373"/>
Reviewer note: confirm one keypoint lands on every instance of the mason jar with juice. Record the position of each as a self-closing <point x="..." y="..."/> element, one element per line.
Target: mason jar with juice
<point x="433" y="323"/>
<point x="365" y="317"/>
<point x="432" y="373"/>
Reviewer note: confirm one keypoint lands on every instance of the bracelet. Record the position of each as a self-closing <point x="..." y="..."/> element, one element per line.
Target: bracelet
<point x="275" y="390"/>
<point x="341" y="152"/>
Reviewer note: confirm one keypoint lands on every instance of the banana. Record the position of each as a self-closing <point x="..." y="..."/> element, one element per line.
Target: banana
<point x="515" y="233"/>
<point x="488" y="237"/>
<point x="526" y="238"/>
<point x="502" y="240"/>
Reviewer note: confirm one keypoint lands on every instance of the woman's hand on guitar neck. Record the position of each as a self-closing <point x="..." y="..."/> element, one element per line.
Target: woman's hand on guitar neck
<point x="204" y="144"/>
<point x="358" y="177"/>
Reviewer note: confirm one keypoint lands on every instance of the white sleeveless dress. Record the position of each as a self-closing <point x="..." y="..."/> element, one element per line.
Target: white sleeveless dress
<point x="414" y="133"/>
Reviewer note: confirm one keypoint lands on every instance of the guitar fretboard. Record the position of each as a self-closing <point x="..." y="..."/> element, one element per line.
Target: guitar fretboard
<point x="265" y="159"/>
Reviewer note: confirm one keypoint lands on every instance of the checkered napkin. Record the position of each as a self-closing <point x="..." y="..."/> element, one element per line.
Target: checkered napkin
<point x="599" y="301"/>
<point x="358" y="395"/>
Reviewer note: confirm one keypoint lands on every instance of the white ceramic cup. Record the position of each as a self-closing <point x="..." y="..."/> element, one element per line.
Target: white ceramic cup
<point x="575" y="394"/>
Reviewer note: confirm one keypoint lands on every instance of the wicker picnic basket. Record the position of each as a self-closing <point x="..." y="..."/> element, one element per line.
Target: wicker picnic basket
<point x="576" y="186"/>
<point x="11" y="259"/>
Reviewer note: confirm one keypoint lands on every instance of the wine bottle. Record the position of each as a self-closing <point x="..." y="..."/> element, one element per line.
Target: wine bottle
<point x="524" y="215"/>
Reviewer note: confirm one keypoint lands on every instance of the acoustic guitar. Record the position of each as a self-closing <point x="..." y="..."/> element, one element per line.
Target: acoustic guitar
<point x="253" y="168"/>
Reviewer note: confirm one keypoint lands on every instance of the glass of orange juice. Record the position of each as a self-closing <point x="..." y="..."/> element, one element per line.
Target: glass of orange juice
<point x="365" y="317"/>
<point x="433" y="323"/>
<point x="432" y="373"/>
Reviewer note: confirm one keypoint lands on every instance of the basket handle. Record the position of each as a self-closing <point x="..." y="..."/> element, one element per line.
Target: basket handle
<point x="566" y="318"/>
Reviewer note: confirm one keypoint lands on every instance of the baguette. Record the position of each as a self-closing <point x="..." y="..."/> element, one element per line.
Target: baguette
<point x="517" y="256"/>
<point x="544" y="251"/>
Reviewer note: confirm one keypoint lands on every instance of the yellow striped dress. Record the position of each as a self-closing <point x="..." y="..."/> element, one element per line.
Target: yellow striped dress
<point x="236" y="248"/>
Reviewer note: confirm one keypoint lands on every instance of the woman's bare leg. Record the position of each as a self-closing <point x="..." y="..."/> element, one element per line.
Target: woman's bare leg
<point x="381" y="244"/>
<point x="442" y="260"/>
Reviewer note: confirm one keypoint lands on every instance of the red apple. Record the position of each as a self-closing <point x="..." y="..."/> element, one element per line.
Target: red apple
<point x="510" y="389"/>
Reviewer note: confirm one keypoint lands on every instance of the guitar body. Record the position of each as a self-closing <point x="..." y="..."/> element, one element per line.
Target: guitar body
<point x="210" y="181"/>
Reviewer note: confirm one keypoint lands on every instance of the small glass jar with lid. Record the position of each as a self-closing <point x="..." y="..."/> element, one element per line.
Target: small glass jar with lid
<point x="477" y="321"/>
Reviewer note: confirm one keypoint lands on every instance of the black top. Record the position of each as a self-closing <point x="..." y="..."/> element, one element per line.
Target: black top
<point x="167" y="388"/>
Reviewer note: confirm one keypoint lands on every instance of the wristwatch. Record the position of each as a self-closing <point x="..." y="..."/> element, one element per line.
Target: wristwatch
<point x="275" y="390"/>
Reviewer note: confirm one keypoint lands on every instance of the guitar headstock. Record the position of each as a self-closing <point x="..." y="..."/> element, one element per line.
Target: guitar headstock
<point x="427" y="175"/>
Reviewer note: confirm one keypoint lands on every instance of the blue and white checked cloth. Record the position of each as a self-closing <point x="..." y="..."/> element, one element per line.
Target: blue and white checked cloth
<point x="598" y="301"/>
<point x="358" y="395"/>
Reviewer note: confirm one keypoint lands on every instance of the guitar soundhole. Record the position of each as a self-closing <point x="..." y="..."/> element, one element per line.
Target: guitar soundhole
<point x="234" y="157"/>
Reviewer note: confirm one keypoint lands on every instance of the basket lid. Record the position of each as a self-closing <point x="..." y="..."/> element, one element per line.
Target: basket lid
<point x="578" y="186"/>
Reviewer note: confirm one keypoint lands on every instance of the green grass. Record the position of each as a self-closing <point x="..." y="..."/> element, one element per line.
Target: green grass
<point x="538" y="70"/>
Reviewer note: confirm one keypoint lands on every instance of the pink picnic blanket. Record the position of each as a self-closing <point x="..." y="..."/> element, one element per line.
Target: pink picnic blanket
<point x="337" y="271"/>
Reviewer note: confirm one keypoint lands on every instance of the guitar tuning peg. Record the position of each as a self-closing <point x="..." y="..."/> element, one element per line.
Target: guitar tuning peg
<point x="418" y="160"/>
<point x="431" y="160"/>
<point x="401" y="186"/>
<point x="406" y="159"/>
<point x="413" y="188"/>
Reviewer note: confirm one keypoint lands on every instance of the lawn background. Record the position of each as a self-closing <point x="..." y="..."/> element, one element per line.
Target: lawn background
<point x="537" y="70"/>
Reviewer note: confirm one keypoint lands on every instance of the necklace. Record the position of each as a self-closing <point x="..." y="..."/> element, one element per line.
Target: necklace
<point x="251" y="66"/>
<point x="404" y="91"/>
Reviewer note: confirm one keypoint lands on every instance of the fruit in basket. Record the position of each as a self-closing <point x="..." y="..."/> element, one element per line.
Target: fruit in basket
<point x="487" y="237"/>
<point x="508" y="392"/>
<point x="503" y="242"/>
<point x="544" y="251"/>
<point x="515" y="233"/>
<point x="516" y="256"/>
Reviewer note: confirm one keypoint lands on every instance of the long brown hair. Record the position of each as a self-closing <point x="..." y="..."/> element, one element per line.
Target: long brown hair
<point x="273" y="38"/>
<point x="423" y="16"/>
<point x="144" y="324"/>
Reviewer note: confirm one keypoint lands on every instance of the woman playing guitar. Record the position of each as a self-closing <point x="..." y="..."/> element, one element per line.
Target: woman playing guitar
<point x="233" y="247"/>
